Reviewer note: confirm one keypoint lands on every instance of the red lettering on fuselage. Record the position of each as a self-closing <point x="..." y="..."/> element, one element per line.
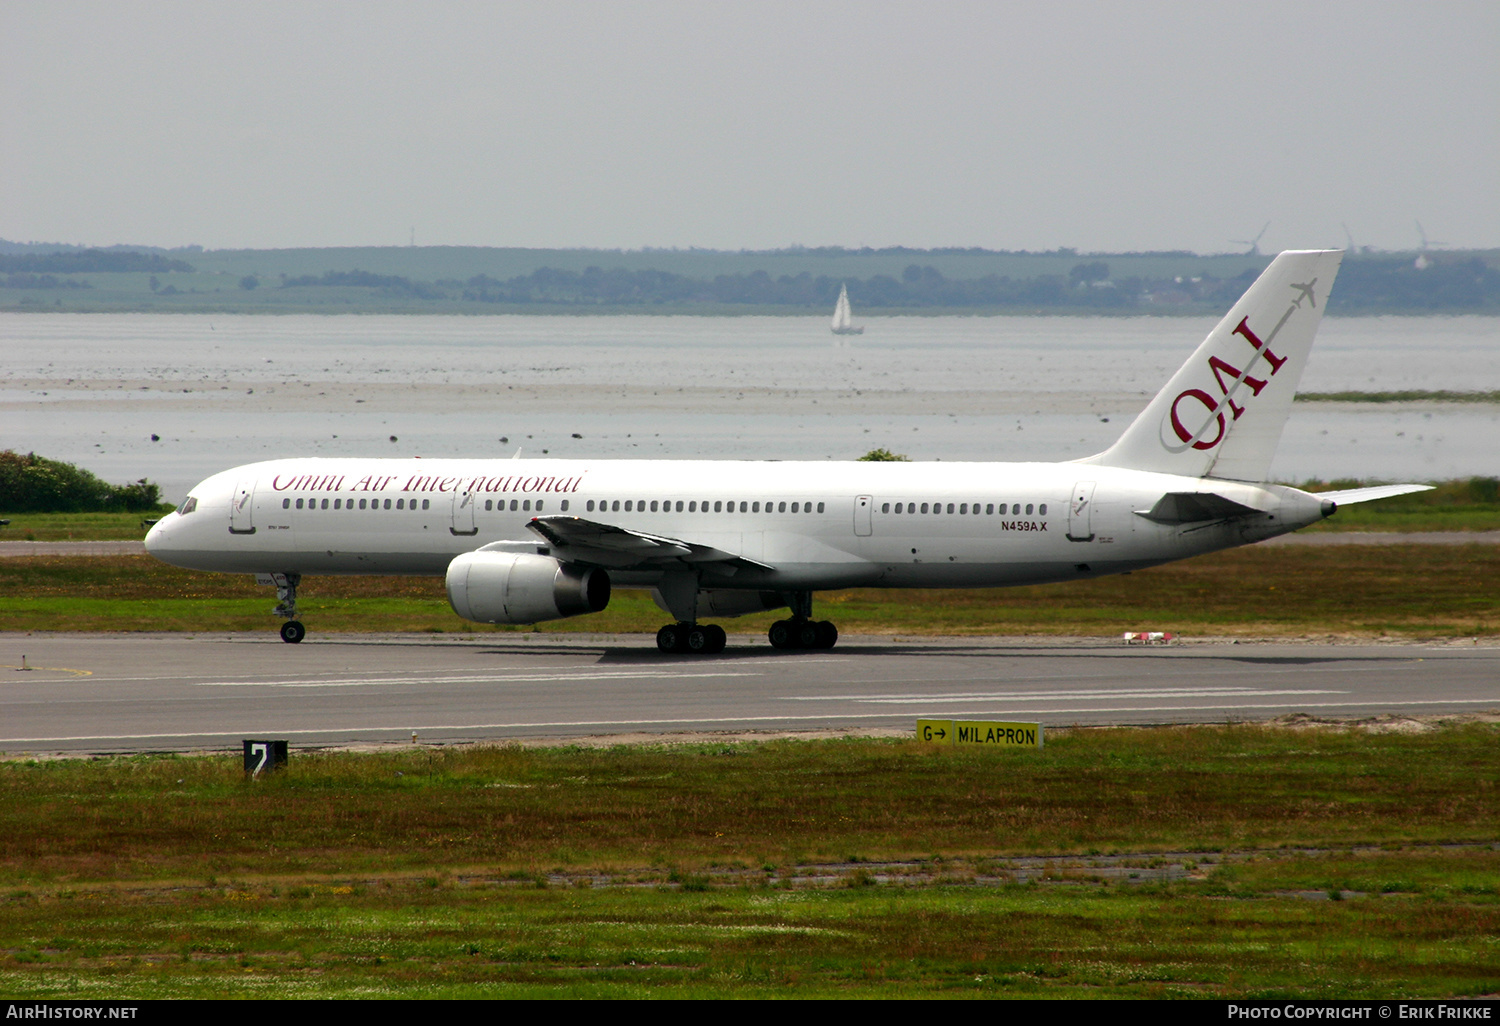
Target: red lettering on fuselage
<point x="309" y="482"/>
<point x="485" y="483"/>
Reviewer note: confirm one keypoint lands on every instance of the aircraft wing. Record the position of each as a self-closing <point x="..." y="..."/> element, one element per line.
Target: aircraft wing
<point x="1352" y="495"/>
<point x="586" y="541"/>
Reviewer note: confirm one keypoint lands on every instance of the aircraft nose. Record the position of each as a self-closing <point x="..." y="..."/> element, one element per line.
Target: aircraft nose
<point x="156" y="538"/>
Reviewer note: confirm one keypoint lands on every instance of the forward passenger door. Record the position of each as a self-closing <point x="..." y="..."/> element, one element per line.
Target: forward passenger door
<point x="242" y="507"/>
<point x="864" y="507"/>
<point x="462" y="521"/>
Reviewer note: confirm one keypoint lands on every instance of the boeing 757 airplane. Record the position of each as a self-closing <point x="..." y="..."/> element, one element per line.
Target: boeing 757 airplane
<point x="520" y="542"/>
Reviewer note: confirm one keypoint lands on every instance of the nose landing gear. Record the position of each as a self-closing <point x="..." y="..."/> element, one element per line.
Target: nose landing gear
<point x="286" y="591"/>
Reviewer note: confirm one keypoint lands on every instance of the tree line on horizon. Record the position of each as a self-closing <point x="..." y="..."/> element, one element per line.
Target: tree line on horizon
<point x="1437" y="283"/>
<point x="85" y="261"/>
<point x="1365" y="285"/>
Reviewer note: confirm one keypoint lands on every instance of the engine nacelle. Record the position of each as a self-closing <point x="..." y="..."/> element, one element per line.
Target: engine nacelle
<point x="517" y="587"/>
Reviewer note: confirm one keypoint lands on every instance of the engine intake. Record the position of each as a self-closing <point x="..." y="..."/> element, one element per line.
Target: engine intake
<point x="516" y="587"/>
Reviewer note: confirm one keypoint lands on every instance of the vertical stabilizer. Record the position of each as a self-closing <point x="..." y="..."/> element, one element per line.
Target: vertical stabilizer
<point x="1222" y="413"/>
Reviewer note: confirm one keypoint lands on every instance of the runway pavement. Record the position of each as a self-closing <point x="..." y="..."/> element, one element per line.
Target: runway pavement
<point x="130" y="693"/>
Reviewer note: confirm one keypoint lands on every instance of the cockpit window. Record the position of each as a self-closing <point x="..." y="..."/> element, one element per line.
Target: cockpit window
<point x="188" y="505"/>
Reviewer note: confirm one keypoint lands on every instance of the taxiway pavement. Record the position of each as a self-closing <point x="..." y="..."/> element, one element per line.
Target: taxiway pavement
<point x="131" y="693"/>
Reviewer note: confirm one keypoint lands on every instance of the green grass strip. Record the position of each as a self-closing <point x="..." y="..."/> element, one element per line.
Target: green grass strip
<point x="1369" y="591"/>
<point x="1324" y="864"/>
<point x="1409" y="395"/>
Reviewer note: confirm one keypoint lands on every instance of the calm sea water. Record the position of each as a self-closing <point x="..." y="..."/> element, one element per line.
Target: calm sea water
<point x="196" y="372"/>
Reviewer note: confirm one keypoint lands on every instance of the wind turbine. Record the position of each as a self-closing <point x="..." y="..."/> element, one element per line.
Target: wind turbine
<point x="1422" y="263"/>
<point x="1254" y="243"/>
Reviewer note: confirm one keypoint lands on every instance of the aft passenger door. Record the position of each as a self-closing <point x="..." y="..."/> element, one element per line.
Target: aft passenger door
<point x="1081" y="512"/>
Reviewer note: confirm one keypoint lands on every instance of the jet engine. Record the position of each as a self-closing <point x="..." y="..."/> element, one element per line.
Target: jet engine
<point x="517" y="587"/>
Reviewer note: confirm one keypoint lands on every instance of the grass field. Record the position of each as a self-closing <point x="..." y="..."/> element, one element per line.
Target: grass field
<point x="76" y="526"/>
<point x="1368" y="591"/>
<point x="1229" y="861"/>
<point x="1407" y="395"/>
<point x="1465" y="504"/>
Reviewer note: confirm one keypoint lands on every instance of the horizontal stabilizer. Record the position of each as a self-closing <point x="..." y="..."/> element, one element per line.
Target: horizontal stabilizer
<point x="1193" y="507"/>
<point x="1352" y="495"/>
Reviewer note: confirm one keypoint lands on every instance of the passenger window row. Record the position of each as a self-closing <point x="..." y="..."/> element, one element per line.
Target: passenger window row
<point x="695" y="506"/>
<point x="519" y="505"/>
<point x="964" y="508"/>
<point x="349" y="504"/>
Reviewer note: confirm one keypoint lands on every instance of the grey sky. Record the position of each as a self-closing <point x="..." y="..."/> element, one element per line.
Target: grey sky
<point x="1105" y="126"/>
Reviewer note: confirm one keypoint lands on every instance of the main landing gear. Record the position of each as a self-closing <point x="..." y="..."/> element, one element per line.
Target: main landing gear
<point x="286" y="591"/>
<point x="798" y="632"/>
<point x="801" y="631"/>
<point x="698" y="638"/>
<point x="803" y="634"/>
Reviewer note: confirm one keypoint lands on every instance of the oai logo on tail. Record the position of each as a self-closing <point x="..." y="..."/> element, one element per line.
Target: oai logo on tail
<point x="1195" y="419"/>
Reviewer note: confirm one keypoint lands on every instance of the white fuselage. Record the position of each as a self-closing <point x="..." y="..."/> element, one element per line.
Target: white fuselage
<point x="801" y="526"/>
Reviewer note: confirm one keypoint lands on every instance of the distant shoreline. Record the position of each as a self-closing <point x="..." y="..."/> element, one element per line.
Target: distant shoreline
<point x="895" y="282"/>
<point x="864" y="316"/>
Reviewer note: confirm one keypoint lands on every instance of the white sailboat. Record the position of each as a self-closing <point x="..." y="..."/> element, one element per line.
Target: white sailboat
<point x="842" y="315"/>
